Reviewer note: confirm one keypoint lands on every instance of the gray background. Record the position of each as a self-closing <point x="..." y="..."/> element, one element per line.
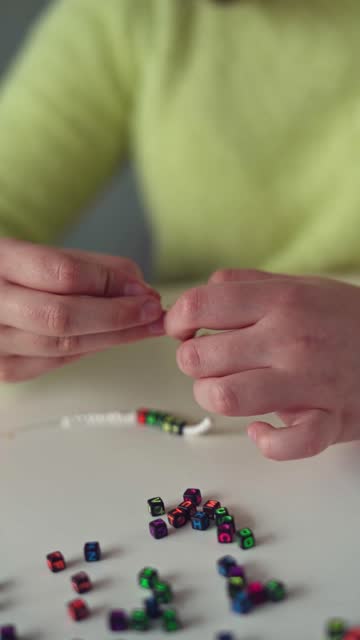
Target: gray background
<point x="116" y="223"/>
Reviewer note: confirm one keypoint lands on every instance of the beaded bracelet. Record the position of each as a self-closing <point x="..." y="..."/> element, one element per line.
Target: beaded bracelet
<point x="150" y="417"/>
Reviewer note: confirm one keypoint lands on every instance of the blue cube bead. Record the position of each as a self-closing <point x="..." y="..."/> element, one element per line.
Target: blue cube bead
<point x="8" y="632"/>
<point x="241" y="603"/>
<point x="152" y="608"/>
<point x="92" y="552"/>
<point x="200" y="521"/>
<point x="225" y="564"/>
<point x="225" y="635"/>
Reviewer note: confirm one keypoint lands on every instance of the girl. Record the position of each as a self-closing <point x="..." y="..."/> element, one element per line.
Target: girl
<point x="243" y="118"/>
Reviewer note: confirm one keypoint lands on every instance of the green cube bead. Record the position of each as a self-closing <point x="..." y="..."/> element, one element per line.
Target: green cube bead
<point x="245" y="538"/>
<point x="162" y="592"/>
<point x="220" y="513"/>
<point x="152" y="418"/>
<point x="170" y="620"/>
<point x="275" y="590"/>
<point x="139" y="620"/>
<point x="336" y="628"/>
<point x="147" y="577"/>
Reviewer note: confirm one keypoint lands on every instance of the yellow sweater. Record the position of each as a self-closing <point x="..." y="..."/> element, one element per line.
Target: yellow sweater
<point x="243" y="119"/>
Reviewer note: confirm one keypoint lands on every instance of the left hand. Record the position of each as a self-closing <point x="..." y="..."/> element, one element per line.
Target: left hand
<point x="291" y="345"/>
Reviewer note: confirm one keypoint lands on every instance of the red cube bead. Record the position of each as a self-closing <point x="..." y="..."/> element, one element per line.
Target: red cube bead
<point x="177" y="518"/>
<point x="81" y="582"/>
<point x="210" y="507"/>
<point x="188" y="507"/>
<point x="225" y="533"/>
<point x="78" y="609"/>
<point x="352" y="634"/>
<point x="256" y="592"/>
<point x="55" y="561"/>
<point x="141" y="416"/>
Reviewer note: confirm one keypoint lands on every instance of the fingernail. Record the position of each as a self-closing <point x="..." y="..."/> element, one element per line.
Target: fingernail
<point x="135" y="289"/>
<point x="157" y="328"/>
<point x="150" y="311"/>
<point x="252" y="433"/>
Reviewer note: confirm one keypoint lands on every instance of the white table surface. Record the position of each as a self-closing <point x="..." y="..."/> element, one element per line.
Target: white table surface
<point x="60" y="489"/>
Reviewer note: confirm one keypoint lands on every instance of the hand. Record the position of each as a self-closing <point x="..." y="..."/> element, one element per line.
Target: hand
<point x="57" y="305"/>
<point x="291" y="346"/>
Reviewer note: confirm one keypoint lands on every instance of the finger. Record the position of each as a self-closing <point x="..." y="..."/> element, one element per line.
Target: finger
<point x="19" y="368"/>
<point x="53" y="315"/>
<point x="114" y="262"/>
<point x="57" y="271"/>
<point x="231" y="305"/>
<point x="16" y="342"/>
<point x="245" y="275"/>
<point x="224" y="353"/>
<point x="252" y="393"/>
<point x="308" y="436"/>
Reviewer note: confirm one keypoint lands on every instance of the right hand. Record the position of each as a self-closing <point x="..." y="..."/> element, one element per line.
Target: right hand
<point x="58" y="305"/>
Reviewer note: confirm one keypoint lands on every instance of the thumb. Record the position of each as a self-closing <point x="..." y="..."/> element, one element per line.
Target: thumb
<point x="245" y="275"/>
<point x="308" y="435"/>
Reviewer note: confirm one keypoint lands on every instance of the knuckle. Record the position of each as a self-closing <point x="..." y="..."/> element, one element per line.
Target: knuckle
<point x="223" y="399"/>
<point x="189" y="357"/>
<point x="58" y="319"/>
<point x="190" y="304"/>
<point x="67" y="273"/>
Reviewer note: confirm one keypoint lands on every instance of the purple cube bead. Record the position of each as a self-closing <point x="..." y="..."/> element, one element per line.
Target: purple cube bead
<point x="8" y="632"/>
<point x="158" y="528"/>
<point x="118" y="620"/>
<point x="237" y="571"/>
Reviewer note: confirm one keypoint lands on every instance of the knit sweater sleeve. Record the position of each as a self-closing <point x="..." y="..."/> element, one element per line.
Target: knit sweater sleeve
<point x="64" y="116"/>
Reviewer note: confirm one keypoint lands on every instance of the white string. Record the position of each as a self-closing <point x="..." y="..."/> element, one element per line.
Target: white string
<point x="111" y="419"/>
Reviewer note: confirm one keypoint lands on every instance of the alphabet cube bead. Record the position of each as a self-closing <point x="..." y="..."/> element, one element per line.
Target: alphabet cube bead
<point x="194" y="495"/>
<point x="147" y="577"/>
<point x="188" y="507"/>
<point x="81" y="582"/>
<point x="200" y="521"/>
<point x="225" y="533"/>
<point x="92" y="552"/>
<point x="170" y="620"/>
<point x="158" y="528"/>
<point x="336" y="628"/>
<point x="162" y="592"/>
<point x="210" y="507"/>
<point x="241" y="603"/>
<point x="8" y="632"/>
<point x="152" y="608"/>
<point x="139" y="620"/>
<point x="78" y="610"/>
<point x="55" y="561"/>
<point x="156" y="506"/>
<point x="118" y="620"/>
<point x="257" y="593"/>
<point x="225" y="635"/>
<point x="275" y="590"/>
<point x="236" y="571"/>
<point x="235" y="585"/>
<point x="353" y="634"/>
<point x="220" y="512"/>
<point x="245" y="538"/>
<point x="177" y="518"/>
<point x="225" y="564"/>
<point x="227" y="519"/>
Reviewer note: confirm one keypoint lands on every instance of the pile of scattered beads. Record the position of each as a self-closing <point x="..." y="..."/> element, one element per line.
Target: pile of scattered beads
<point x="337" y="629"/>
<point x="187" y="511"/>
<point x="244" y="595"/>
